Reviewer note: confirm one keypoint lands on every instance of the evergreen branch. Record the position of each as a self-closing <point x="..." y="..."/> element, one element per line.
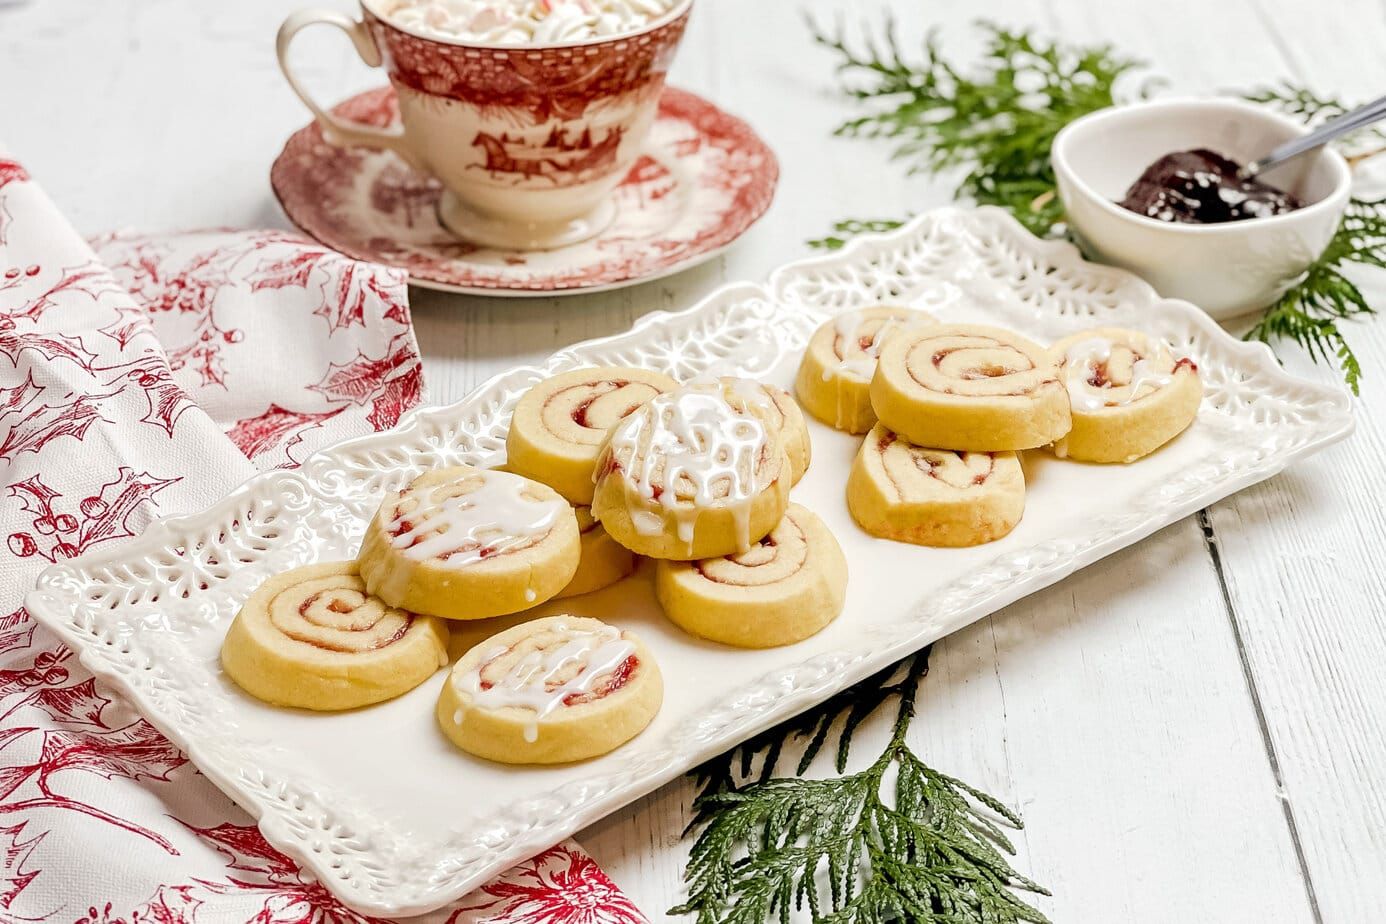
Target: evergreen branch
<point x="1307" y="106"/>
<point x="855" y="849"/>
<point x="1309" y="313"/>
<point x="843" y="231"/>
<point x="996" y="123"/>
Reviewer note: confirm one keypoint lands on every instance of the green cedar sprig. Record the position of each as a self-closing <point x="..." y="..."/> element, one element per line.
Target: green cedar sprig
<point x="897" y="841"/>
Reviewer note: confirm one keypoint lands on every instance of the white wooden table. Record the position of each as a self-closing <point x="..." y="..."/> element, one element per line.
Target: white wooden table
<point x="1192" y="728"/>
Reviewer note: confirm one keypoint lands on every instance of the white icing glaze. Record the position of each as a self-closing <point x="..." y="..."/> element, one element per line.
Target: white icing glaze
<point x="537" y="681"/>
<point x="846" y="326"/>
<point x="495" y="517"/>
<point x="1085" y="355"/>
<point x="692" y="437"/>
<point x="523" y="22"/>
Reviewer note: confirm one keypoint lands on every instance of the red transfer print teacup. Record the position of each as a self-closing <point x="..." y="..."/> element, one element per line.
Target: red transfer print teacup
<point x="529" y="141"/>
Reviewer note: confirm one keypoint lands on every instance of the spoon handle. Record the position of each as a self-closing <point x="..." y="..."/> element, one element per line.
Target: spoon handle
<point x="1345" y="124"/>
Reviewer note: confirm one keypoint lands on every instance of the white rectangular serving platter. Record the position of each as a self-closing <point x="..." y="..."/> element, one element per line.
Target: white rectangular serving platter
<point x="393" y="819"/>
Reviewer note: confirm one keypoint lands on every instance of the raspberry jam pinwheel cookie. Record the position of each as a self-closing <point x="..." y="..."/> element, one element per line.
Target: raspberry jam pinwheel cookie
<point x="551" y="691"/>
<point x="784" y="589"/>
<point x="470" y="543"/>
<point x="694" y="473"/>
<point x="778" y="408"/>
<point x="835" y="375"/>
<point x="560" y="422"/>
<point x="1129" y="395"/>
<point x="313" y="638"/>
<point x="970" y="388"/>
<point x="935" y="497"/>
<point x="604" y="560"/>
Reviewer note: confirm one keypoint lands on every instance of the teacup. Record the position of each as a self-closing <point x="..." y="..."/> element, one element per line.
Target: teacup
<point x="528" y="141"/>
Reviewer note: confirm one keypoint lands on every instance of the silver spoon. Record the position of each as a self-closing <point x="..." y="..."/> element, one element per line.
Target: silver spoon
<point x="1345" y="124"/>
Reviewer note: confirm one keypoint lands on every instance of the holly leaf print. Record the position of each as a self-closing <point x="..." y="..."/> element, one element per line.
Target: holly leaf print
<point x="399" y="395"/>
<point x="35" y="497"/>
<point x="16" y="631"/>
<point x="359" y="379"/>
<point x="247" y="850"/>
<point x="166" y="398"/>
<point x="170" y="904"/>
<point x="91" y="279"/>
<point x="204" y="357"/>
<point x="347" y="288"/>
<point x="15" y="850"/>
<point x="129" y="323"/>
<point x="134" y="752"/>
<point x="50" y="422"/>
<point x="50" y="346"/>
<point x="79" y="704"/>
<point x="13" y="777"/>
<point x="560" y="886"/>
<point x="357" y="284"/>
<point x="20" y="396"/>
<point x="256" y="436"/>
<point x="108" y="518"/>
<point x="398" y="311"/>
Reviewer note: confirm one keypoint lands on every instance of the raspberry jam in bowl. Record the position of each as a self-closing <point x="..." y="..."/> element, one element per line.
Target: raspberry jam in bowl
<point x="1226" y="267"/>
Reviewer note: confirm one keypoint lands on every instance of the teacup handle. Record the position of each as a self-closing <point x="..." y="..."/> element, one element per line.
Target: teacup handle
<point x="335" y="129"/>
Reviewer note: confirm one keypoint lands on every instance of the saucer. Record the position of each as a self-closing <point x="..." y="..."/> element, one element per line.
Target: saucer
<point x="704" y="179"/>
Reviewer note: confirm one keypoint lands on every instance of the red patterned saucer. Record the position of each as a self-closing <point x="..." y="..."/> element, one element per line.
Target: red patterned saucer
<point x="705" y="178"/>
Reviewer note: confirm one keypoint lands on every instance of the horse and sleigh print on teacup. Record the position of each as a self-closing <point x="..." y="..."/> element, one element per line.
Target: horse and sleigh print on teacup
<point x="529" y="141"/>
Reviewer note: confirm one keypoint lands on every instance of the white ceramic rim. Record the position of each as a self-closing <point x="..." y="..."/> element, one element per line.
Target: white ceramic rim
<point x="1335" y="201"/>
<point x="369" y="8"/>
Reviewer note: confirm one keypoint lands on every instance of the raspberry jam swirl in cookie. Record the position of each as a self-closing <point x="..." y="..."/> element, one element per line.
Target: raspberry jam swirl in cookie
<point x="1128" y="393"/>
<point x="467" y="543"/>
<point x="969" y="388"/>
<point x="313" y="638"/>
<point x="559" y="424"/>
<point x="551" y="691"/>
<point x="835" y="375"/>
<point x="693" y="473"/>
<point x="604" y="561"/>
<point x="936" y="497"/>
<point x="782" y="590"/>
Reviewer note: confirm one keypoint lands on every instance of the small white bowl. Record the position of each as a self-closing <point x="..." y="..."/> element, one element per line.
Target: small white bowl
<point x="1227" y="269"/>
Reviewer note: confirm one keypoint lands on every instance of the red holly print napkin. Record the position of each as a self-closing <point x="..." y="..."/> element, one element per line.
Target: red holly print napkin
<point x="149" y="377"/>
<point x="287" y="345"/>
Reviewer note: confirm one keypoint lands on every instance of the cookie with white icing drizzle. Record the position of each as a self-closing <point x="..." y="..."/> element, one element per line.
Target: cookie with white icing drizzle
<point x="936" y="497"/>
<point x="313" y="638"/>
<point x="834" y="377"/>
<point x="778" y="408"/>
<point x="469" y="543"/>
<point x="551" y="691"/>
<point x="970" y="388"/>
<point x="560" y="422"/>
<point x="604" y="561"/>
<point x="784" y="589"/>
<point x="1129" y="395"/>
<point x="693" y="473"/>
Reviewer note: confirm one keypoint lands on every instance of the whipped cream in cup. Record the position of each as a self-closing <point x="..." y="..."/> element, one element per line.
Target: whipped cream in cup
<point x="529" y="112"/>
<point x="523" y="22"/>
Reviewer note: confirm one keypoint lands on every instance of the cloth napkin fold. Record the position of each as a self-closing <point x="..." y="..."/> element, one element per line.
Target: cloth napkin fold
<point x="144" y="376"/>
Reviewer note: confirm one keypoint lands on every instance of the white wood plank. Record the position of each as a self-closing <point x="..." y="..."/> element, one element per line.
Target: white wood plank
<point x="1302" y="556"/>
